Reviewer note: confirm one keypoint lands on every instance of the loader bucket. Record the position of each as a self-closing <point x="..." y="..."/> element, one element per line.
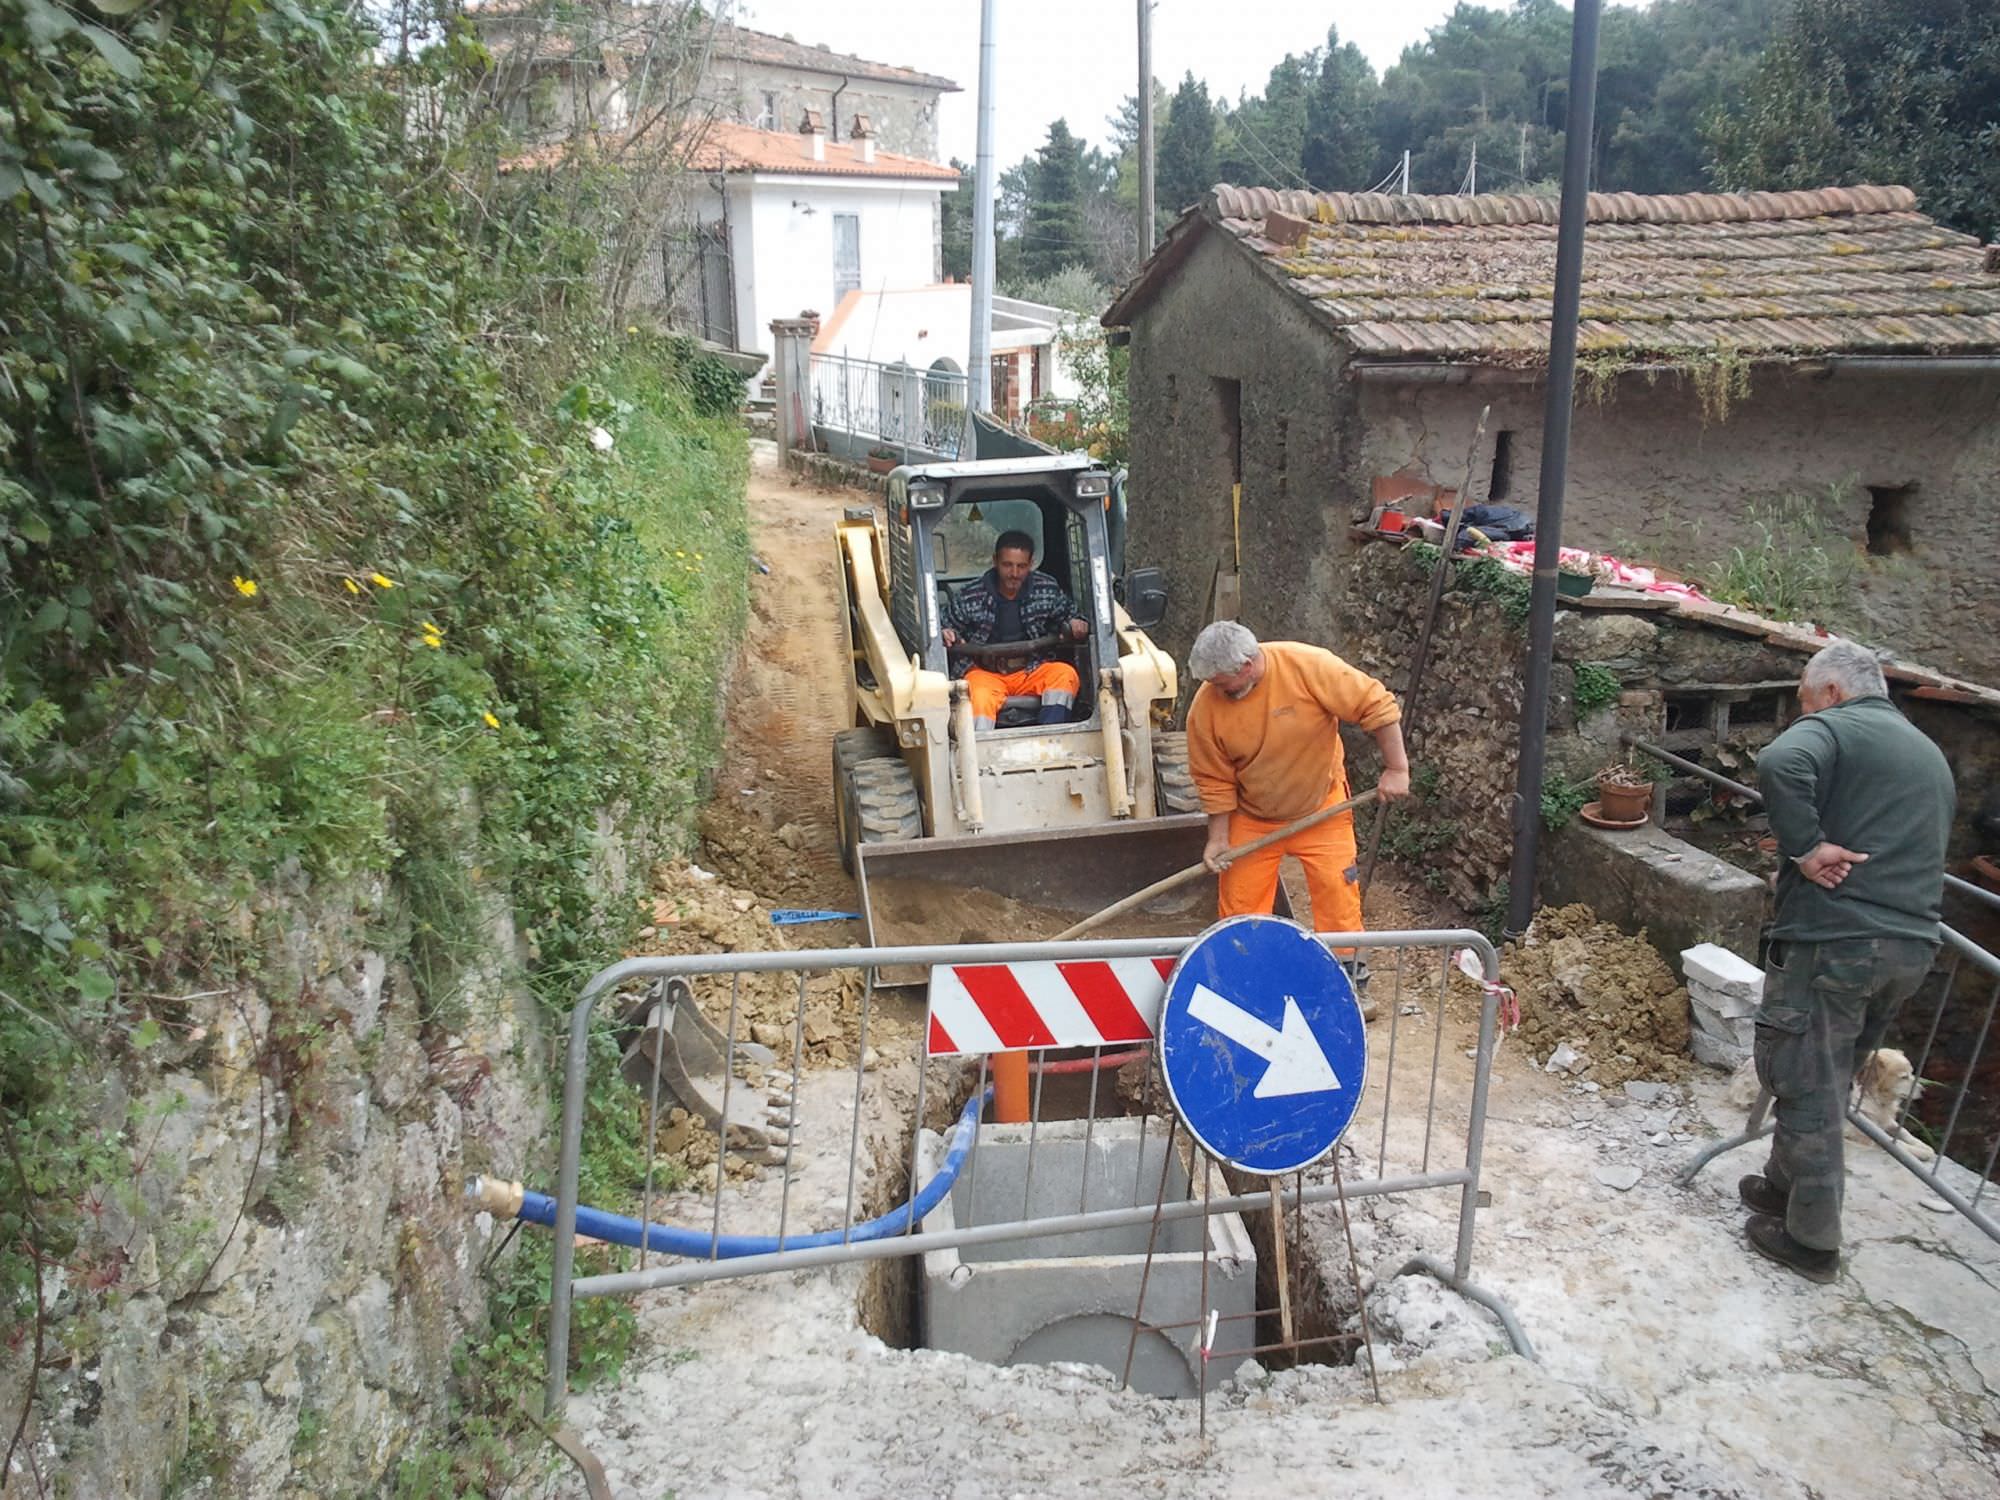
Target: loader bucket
<point x="1019" y="887"/>
<point x="670" y="1046"/>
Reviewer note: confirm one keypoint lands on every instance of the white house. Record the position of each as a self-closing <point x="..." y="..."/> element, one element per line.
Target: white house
<point x="791" y="223"/>
<point x="929" y="328"/>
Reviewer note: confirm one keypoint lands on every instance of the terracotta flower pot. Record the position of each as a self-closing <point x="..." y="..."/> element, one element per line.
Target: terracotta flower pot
<point x="1622" y="803"/>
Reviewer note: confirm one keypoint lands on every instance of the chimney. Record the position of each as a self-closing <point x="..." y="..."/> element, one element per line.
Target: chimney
<point x="814" y="130"/>
<point x="862" y="132"/>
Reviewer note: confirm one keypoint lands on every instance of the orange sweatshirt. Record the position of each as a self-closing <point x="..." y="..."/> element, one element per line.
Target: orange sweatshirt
<point x="1275" y="752"/>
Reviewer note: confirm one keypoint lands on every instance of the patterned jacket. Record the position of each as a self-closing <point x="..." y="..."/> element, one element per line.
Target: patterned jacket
<point x="1045" y="610"/>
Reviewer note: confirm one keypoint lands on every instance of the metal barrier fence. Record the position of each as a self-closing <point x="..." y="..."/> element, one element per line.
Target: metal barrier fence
<point x="896" y="405"/>
<point x="1956" y="1005"/>
<point x="1411" y="979"/>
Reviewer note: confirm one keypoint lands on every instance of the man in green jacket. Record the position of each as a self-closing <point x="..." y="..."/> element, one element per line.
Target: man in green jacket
<point x="1861" y="802"/>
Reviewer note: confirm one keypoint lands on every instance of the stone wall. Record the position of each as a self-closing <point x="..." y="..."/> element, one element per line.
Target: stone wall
<point x="903" y="116"/>
<point x="1654" y="475"/>
<point x="1225" y="341"/>
<point x="1469" y="721"/>
<point x="290" y="1263"/>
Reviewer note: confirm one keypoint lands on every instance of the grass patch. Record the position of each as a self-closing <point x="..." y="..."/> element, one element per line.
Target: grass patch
<point x="1792" y="565"/>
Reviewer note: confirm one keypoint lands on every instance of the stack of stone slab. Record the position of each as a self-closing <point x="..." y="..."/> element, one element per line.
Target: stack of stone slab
<point x="1724" y="992"/>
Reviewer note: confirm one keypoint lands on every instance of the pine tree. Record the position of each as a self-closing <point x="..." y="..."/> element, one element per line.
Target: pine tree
<point x="1339" y="153"/>
<point x="1187" y="149"/>
<point x="1052" y="229"/>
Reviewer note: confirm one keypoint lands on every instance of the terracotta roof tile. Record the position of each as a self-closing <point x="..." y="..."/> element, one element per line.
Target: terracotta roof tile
<point x="742" y="148"/>
<point x="1837" y="270"/>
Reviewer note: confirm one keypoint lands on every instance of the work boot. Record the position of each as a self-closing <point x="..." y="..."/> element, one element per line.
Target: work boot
<point x="1357" y="975"/>
<point x="1768" y="1238"/>
<point x="1761" y="1196"/>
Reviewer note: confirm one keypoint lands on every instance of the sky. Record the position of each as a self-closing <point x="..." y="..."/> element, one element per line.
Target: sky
<point x="1079" y="59"/>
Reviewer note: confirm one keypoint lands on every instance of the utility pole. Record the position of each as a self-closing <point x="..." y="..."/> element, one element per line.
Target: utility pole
<point x="1406" y="172"/>
<point x="1555" y="464"/>
<point x="1146" y="208"/>
<point x="1472" y="172"/>
<point x="979" y="377"/>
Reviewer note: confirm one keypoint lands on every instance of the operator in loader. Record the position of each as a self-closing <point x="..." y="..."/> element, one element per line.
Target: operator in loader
<point x="1011" y="601"/>
<point x="1263" y="737"/>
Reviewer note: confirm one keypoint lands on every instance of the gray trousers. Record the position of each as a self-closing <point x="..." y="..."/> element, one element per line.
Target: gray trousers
<point x="1826" y="1007"/>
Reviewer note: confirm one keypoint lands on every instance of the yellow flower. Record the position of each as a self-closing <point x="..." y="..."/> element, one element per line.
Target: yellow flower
<point x="435" y="642"/>
<point x="491" y="722"/>
<point x="247" y="587"/>
<point x="697" y="557"/>
<point x="350" y="585"/>
<point x="430" y="629"/>
<point x="631" y="327"/>
<point x="380" y="581"/>
<point x="680" y="554"/>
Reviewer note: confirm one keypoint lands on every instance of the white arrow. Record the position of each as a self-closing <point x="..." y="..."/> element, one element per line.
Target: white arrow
<point x="1298" y="1063"/>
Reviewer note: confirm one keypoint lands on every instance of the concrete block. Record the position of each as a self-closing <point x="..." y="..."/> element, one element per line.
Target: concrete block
<point x="1071" y="1298"/>
<point x="1646" y="878"/>
<point x="1722" y="973"/>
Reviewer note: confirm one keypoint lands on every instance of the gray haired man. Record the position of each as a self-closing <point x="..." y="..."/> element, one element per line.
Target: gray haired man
<point x="1861" y="802"/>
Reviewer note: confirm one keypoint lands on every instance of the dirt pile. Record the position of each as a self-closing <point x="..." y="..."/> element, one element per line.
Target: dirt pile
<point x="693" y="910"/>
<point x="1602" y="1005"/>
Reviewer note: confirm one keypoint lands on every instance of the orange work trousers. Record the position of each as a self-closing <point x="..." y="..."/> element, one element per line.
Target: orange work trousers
<point x="1333" y="877"/>
<point x="988" y="690"/>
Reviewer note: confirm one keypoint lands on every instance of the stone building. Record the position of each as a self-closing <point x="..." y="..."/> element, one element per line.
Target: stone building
<point x="1307" y="352"/>
<point x="769" y="82"/>
<point x="561" y="71"/>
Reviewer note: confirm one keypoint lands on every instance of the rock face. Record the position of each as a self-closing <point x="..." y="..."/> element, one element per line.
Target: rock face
<point x="296" y="1263"/>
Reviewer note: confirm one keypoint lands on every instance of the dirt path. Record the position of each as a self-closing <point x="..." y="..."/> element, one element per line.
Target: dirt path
<point x="770" y="827"/>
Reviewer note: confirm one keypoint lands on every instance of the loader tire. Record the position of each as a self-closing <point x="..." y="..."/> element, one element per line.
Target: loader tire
<point x="1173" y="782"/>
<point x="850" y="748"/>
<point x="887" y="809"/>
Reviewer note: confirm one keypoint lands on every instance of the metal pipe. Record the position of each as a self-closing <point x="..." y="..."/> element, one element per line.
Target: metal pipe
<point x="1148" y="210"/>
<point x="1475" y="1126"/>
<point x="1693" y="768"/>
<point x="625" y="1283"/>
<point x="1555" y="463"/>
<point x="979" y="378"/>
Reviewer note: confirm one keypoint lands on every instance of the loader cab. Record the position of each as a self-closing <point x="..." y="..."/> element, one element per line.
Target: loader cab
<point x="943" y="522"/>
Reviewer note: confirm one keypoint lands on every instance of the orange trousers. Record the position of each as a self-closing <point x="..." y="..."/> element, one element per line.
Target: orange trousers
<point x="1333" y="876"/>
<point x="988" y="690"/>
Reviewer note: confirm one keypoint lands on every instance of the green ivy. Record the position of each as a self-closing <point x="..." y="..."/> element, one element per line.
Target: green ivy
<point x="314" y="566"/>
<point x="1596" y="687"/>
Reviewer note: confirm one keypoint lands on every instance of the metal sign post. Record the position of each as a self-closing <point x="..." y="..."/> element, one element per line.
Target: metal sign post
<point x="1263" y="1045"/>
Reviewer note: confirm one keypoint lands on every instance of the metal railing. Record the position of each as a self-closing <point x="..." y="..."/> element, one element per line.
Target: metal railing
<point x="1935" y="1173"/>
<point x="918" y="413"/>
<point x="1400" y="1121"/>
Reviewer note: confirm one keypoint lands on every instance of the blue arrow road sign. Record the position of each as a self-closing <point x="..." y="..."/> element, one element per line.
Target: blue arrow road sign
<point x="1263" y="1044"/>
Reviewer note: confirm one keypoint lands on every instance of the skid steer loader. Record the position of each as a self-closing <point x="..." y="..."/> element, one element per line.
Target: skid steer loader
<point x="1062" y="818"/>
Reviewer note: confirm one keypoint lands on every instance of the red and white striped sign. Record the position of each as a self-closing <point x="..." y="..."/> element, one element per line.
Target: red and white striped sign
<point x="980" y="1008"/>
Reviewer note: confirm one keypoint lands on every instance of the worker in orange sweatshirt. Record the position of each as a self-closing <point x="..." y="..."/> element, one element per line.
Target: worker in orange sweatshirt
<point x="1264" y="745"/>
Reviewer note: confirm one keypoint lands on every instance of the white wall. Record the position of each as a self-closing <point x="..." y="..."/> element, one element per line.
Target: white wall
<point x="782" y="244"/>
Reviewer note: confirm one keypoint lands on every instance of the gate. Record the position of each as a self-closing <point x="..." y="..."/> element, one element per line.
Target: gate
<point x="1399" y="1122"/>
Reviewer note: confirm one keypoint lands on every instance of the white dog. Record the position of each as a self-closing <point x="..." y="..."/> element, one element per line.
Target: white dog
<point x="1885" y="1082"/>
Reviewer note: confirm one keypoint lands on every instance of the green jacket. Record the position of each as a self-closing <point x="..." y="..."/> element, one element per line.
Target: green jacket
<point x="1862" y="776"/>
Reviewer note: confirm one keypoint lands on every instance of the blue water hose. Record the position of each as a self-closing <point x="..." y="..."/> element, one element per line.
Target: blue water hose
<point x="671" y="1239"/>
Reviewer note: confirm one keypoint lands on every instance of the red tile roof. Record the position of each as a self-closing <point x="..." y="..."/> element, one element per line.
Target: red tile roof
<point x="1839" y="270"/>
<point x="743" y="148"/>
